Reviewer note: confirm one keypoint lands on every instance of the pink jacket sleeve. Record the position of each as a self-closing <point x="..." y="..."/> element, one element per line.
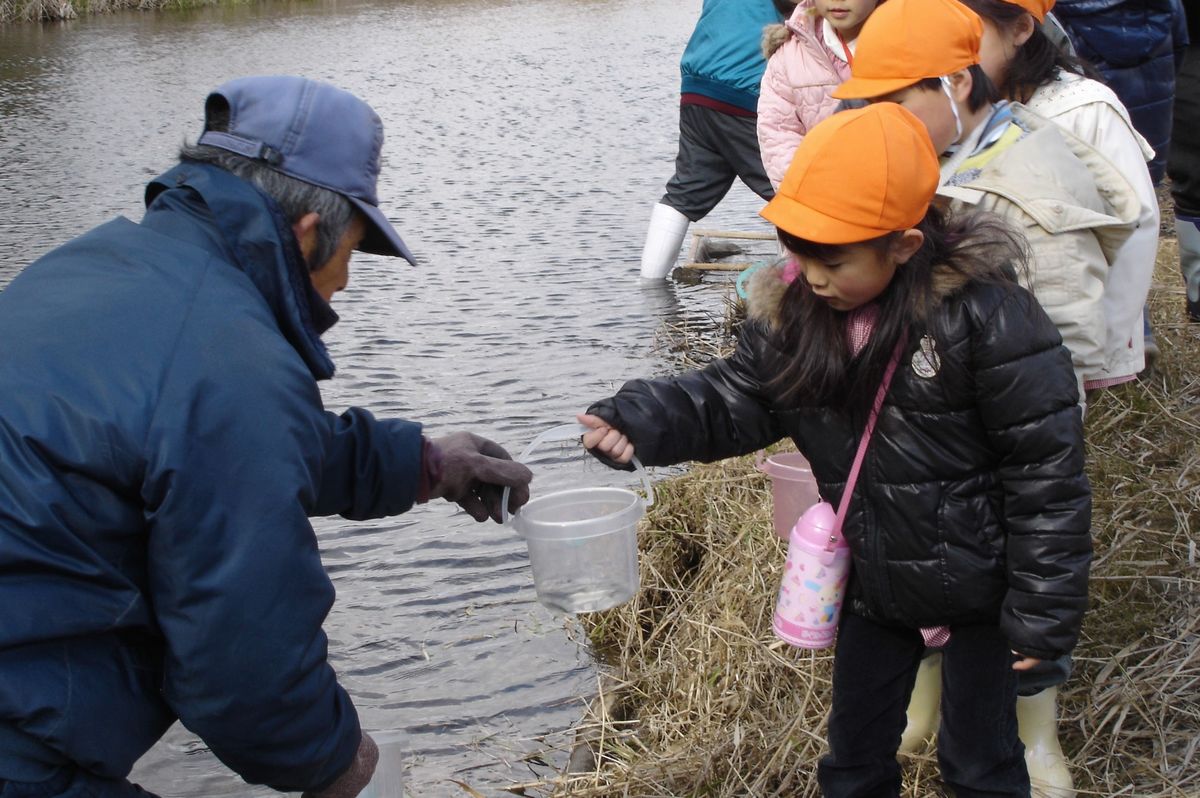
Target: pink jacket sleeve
<point x="780" y="128"/>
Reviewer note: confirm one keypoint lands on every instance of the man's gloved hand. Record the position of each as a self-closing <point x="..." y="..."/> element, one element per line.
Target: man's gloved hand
<point x="474" y="473"/>
<point x="357" y="776"/>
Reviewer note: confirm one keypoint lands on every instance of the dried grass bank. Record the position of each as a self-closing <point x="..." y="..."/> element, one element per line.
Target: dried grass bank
<point x="703" y="701"/>
<point x="49" y="10"/>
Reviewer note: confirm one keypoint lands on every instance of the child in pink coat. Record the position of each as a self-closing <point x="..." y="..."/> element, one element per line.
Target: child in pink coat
<point x="807" y="57"/>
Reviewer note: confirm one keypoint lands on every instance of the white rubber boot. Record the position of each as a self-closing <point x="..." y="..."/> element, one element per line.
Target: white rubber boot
<point x="1188" y="230"/>
<point x="923" y="705"/>
<point x="663" y="239"/>
<point x="1037" y="726"/>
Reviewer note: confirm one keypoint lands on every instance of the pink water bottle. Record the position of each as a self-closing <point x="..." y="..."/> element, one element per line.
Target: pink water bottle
<point x="814" y="580"/>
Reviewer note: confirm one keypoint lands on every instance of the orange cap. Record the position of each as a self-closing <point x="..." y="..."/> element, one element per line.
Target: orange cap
<point x="906" y="41"/>
<point x="1039" y="8"/>
<point x="857" y="175"/>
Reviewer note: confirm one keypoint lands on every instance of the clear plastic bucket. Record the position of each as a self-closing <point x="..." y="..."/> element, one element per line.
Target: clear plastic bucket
<point x="582" y="542"/>
<point x="793" y="489"/>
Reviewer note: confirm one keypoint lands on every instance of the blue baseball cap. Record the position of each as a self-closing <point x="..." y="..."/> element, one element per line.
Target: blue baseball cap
<point x="311" y="131"/>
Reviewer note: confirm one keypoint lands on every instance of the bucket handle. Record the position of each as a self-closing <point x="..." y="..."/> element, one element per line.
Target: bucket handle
<point x="567" y="432"/>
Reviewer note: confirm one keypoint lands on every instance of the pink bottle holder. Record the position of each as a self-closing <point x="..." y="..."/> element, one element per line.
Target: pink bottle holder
<point x="814" y="580"/>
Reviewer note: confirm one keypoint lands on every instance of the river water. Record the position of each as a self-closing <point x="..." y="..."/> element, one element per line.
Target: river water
<point x="526" y="143"/>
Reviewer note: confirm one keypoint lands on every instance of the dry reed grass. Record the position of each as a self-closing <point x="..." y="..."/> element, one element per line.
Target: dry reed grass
<point x="701" y="700"/>
<point x="48" y="10"/>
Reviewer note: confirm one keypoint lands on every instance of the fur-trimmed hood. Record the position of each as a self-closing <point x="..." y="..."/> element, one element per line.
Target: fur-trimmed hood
<point x="766" y="288"/>
<point x="802" y="22"/>
<point x="773" y="38"/>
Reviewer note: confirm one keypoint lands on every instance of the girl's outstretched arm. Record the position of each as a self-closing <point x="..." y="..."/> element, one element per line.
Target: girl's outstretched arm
<point x="605" y="439"/>
<point x="719" y="411"/>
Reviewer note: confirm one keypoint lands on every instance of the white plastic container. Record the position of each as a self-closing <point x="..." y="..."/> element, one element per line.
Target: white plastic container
<point x="391" y="774"/>
<point x="582" y="542"/>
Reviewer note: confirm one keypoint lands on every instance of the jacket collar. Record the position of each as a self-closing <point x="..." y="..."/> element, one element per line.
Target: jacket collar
<point x="1083" y="192"/>
<point x="247" y="228"/>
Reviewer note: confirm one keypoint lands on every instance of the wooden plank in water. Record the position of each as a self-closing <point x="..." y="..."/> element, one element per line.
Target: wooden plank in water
<point x="754" y="236"/>
<point x="717" y="267"/>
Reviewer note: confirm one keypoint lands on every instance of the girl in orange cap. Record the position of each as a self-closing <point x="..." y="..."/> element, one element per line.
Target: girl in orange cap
<point x="1027" y="68"/>
<point x="1078" y="212"/>
<point x="970" y="519"/>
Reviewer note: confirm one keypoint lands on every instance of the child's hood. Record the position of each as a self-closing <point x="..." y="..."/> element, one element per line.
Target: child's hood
<point x="803" y="23"/>
<point x="764" y="294"/>
<point x="1069" y="92"/>
<point x="1060" y="181"/>
<point x="766" y="288"/>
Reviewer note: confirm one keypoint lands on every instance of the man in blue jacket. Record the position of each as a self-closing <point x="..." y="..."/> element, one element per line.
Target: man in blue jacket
<point x="164" y="444"/>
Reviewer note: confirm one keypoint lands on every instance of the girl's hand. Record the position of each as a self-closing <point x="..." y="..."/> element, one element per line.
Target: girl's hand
<point x="1024" y="663"/>
<point x="606" y="439"/>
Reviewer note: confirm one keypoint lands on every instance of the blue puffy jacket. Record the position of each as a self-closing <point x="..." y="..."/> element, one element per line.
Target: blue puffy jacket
<point x="723" y="59"/>
<point x="164" y="444"/>
<point x="1136" y="45"/>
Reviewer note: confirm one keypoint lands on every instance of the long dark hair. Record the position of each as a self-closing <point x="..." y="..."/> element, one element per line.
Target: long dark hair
<point x="1036" y="62"/>
<point x="815" y="366"/>
<point x="784" y="8"/>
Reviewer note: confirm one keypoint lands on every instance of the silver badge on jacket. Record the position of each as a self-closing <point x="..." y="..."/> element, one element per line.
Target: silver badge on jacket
<point x="925" y="361"/>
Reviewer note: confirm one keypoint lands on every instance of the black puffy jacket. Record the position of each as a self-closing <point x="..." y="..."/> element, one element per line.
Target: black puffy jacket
<point x="972" y="505"/>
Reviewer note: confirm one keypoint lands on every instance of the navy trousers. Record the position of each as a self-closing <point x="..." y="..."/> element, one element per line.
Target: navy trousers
<point x="874" y="669"/>
<point x="714" y="150"/>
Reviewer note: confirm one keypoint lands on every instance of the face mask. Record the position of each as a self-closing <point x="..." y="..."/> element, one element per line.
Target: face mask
<point x="958" y="128"/>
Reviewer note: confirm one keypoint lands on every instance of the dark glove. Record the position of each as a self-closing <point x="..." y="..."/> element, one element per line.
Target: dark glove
<point x="474" y="473"/>
<point x="357" y="776"/>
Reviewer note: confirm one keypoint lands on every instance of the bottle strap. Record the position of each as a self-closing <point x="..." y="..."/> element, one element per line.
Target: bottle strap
<point x="844" y="505"/>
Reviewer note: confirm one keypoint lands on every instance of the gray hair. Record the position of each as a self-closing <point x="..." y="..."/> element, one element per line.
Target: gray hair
<point x="295" y="197"/>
